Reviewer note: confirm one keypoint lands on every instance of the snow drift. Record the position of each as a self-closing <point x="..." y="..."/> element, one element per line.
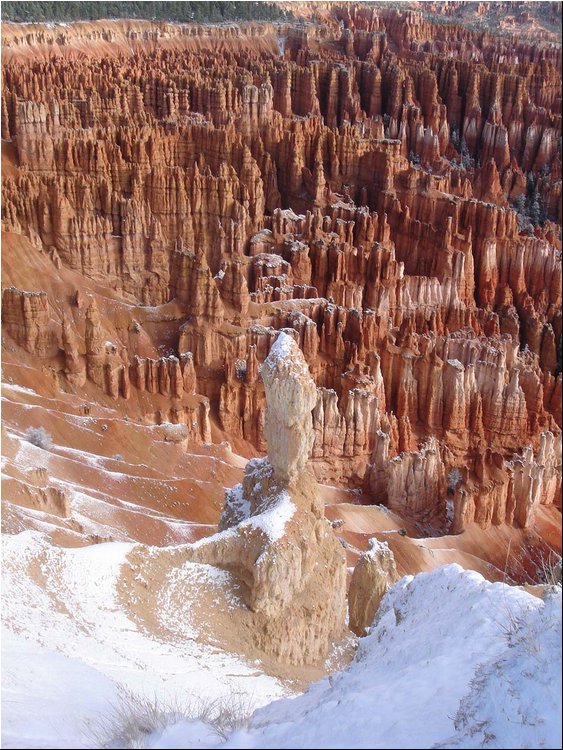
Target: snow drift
<point x="451" y="661"/>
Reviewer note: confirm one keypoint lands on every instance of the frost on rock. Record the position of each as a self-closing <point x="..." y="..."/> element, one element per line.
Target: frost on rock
<point x="377" y="550"/>
<point x="236" y="508"/>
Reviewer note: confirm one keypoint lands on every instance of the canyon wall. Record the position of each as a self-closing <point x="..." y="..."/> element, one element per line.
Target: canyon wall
<point x="384" y="189"/>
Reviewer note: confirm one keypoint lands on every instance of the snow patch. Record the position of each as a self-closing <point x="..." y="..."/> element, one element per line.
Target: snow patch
<point x="282" y="346"/>
<point x="19" y="388"/>
<point x="274" y="520"/>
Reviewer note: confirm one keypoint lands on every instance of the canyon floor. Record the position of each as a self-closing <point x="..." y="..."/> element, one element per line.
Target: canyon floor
<point x="385" y="190"/>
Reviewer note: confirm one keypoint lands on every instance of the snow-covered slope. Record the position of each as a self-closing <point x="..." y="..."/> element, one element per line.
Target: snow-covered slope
<point x="70" y="641"/>
<point x="452" y="661"/>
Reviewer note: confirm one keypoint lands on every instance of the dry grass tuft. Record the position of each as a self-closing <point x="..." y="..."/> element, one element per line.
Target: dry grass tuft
<point x="134" y="720"/>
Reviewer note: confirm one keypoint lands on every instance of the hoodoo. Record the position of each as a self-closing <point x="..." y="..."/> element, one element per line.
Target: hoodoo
<point x="282" y="369"/>
<point x="275" y="537"/>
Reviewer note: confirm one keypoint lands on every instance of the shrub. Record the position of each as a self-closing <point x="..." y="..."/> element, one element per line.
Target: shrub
<point x="174" y="433"/>
<point x="549" y="570"/>
<point x="39" y="437"/>
<point x="454" y="478"/>
<point x="134" y="719"/>
<point x="466" y="159"/>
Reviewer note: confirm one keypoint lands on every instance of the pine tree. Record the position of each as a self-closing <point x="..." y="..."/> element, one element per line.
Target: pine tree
<point x="466" y="160"/>
<point x="166" y="11"/>
<point x="520" y="204"/>
<point x="535" y="209"/>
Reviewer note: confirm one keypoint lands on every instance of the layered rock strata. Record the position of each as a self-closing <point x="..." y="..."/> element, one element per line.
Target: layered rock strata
<point x="387" y="188"/>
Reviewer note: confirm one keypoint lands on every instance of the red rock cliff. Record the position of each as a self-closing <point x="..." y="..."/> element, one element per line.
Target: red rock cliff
<point x="389" y="192"/>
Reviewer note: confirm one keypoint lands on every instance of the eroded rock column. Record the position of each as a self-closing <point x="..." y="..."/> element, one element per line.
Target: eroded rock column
<point x="273" y="533"/>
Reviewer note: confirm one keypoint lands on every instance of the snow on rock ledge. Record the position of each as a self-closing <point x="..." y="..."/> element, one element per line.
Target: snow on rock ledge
<point x="275" y="507"/>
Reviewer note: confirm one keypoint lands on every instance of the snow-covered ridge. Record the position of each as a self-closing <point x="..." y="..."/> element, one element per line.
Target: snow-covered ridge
<point x="452" y="661"/>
